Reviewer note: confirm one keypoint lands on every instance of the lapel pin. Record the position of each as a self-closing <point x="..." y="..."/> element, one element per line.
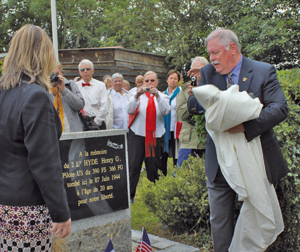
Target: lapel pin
<point x="244" y="79"/>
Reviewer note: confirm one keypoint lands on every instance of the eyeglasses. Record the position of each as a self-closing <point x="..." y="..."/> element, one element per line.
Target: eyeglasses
<point x="87" y="69"/>
<point x="152" y="80"/>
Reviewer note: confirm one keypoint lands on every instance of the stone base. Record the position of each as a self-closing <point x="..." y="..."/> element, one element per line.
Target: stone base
<point x="87" y="238"/>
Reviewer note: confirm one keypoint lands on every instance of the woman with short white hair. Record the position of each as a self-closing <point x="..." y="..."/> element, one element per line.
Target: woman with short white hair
<point x="118" y="97"/>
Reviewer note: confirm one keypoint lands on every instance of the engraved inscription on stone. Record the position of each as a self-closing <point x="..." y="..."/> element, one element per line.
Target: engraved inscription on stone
<point x="94" y="172"/>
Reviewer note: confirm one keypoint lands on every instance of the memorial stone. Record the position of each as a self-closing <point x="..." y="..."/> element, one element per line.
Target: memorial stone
<point x="96" y="178"/>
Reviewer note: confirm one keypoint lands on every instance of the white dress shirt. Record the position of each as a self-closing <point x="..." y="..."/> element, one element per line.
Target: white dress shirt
<point x="95" y="97"/>
<point x="133" y="91"/>
<point x="120" y="102"/>
<point x="162" y="108"/>
<point x="173" y="109"/>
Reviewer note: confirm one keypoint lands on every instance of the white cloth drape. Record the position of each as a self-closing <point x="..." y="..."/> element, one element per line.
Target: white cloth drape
<point x="242" y="165"/>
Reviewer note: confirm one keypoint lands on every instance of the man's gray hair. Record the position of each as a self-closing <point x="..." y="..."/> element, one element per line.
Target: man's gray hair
<point x="117" y="75"/>
<point x="225" y="37"/>
<point x="202" y="60"/>
<point x="86" y="61"/>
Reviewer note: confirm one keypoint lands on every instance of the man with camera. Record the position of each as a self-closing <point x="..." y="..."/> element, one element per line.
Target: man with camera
<point x="67" y="100"/>
<point x="187" y="137"/>
<point x="94" y="94"/>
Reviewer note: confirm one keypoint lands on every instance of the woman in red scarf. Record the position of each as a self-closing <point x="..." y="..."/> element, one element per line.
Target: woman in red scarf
<point x="146" y="133"/>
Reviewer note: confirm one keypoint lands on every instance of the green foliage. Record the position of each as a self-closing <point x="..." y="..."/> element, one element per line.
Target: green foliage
<point x="175" y="28"/>
<point x="180" y="199"/>
<point x="290" y="82"/>
<point x="137" y="28"/>
<point x="275" y="40"/>
<point x="200" y="129"/>
<point x="288" y="189"/>
<point x="186" y="25"/>
<point x="76" y="20"/>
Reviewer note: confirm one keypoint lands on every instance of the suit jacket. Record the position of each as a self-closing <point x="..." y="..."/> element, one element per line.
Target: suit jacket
<point x="30" y="165"/>
<point x="260" y="79"/>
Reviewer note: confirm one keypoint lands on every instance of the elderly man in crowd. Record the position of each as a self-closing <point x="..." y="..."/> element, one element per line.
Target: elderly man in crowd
<point x="229" y="67"/>
<point x="94" y="93"/>
<point x="118" y="97"/>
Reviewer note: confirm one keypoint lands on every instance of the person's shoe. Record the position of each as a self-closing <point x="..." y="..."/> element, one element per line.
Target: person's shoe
<point x="131" y="201"/>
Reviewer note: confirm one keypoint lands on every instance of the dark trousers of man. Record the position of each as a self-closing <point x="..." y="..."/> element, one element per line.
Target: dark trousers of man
<point x="136" y="155"/>
<point x="221" y="202"/>
<point x="165" y="155"/>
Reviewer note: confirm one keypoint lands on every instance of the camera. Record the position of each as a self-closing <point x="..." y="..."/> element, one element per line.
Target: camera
<point x="146" y="89"/>
<point x="194" y="81"/>
<point x="54" y="77"/>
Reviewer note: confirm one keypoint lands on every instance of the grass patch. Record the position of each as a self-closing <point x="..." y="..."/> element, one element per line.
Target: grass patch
<point x="140" y="214"/>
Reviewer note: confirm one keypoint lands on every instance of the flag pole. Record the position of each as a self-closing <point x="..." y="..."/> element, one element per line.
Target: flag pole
<point x="54" y="28"/>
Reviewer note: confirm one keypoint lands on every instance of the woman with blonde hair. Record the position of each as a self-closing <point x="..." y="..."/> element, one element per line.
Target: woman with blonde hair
<point x="32" y="194"/>
<point x="108" y="83"/>
<point x="145" y="135"/>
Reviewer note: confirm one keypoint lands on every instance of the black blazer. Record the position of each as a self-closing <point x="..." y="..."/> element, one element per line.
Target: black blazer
<point x="30" y="165"/>
<point x="260" y="79"/>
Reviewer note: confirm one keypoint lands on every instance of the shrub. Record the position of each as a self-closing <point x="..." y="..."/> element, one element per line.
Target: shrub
<point x="200" y="129"/>
<point x="288" y="189"/>
<point x="290" y="82"/>
<point x="180" y="199"/>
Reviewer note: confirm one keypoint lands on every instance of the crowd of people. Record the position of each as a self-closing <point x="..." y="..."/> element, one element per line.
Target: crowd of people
<point x="51" y="105"/>
<point x="149" y="116"/>
<point x="159" y="125"/>
<point x="157" y="122"/>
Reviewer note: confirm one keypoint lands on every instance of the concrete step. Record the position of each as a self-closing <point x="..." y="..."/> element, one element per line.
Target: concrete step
<point x="161" y="244"/>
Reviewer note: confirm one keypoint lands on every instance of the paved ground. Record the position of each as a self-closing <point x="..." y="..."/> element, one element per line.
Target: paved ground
<point x="161" y="244"/>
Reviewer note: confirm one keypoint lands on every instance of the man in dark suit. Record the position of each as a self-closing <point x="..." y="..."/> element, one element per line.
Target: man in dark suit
<point x="259" y="80"/>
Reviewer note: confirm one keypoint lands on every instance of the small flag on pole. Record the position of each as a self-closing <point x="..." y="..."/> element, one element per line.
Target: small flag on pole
<point x="144" y="245"/>
<point x="110" y="247"/>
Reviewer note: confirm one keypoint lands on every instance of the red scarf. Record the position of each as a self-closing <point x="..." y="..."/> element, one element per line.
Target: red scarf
<point x="150" y="140"/>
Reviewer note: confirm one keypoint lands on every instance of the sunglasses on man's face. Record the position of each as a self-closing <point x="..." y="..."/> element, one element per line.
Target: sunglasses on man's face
<point x="152" y="80"/>
<point x="87" y="69"/>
